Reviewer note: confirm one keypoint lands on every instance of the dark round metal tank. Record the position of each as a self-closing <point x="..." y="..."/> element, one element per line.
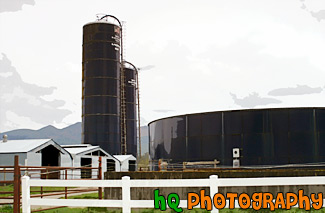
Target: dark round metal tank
<point x="265" y="136"/>
<point x="101" y="86"/>
<point x="131" y="120"/>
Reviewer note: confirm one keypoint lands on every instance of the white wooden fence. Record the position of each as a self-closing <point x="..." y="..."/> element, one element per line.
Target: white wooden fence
<point x="126" y="203"/>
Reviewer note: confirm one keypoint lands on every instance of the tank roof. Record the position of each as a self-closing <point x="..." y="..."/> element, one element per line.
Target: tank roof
<point x="101" y="22"/>
<point x="236" y="110"/>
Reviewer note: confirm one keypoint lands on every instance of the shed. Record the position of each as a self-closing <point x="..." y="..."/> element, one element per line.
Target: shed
<point x="127" y="162"/>
<point x="33" y="152"/>
<point x="84" y="155"/>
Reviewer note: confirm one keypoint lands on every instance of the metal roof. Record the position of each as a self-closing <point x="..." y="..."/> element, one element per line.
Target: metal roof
<point x="122" y="158"/>
<point x="76" y="145"/>
<point x="19" y="146"/>
<point x="83" y="149"/>
<point x="79" y="150"/>
<point x="235" y="110"/>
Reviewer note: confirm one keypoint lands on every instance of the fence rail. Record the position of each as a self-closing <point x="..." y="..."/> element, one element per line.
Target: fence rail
<point x="12" y="176"/>
<point x="126" y="203"/>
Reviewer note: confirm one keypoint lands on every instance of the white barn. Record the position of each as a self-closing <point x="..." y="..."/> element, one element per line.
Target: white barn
<point x="46" y="152"/>
<point x="88" y="155"/>
<point x="127" y="163"/>
<point x="33" y="152"/>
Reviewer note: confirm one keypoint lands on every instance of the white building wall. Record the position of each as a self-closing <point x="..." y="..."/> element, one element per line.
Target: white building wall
<point x="104" y="165"/>
<point x="8" y="159"/>
<point x="65" y="161"/>
<point x="94" y="163"/>
<point x="34" y="159"/>
<point x="125" y="166"/>
<point x="117" y="166"/>
<point x="76" y="161"/>
<point x="75" y="174"/>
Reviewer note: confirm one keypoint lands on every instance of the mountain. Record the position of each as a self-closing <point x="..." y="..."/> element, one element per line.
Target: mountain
<point x="67" y="135"/>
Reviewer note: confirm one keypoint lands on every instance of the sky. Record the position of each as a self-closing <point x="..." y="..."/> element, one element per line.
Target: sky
<point x="203" y="56"/>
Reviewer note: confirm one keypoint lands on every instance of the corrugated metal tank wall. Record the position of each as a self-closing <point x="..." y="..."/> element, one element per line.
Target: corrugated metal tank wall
<point x="101" y="86"/>
<point x="265" y="136"/>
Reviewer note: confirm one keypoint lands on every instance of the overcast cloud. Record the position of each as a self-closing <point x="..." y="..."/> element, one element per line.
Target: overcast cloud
<point x="14" y="5"/>
<point x="253" y="100"/>
<point x="298" y="90"/>
<point x="317" y="14"/>
<point x="163" y="110"/>
<point x="24" y="100"/>
<point x="320" y="15"/>
<point x="194" y="53"/>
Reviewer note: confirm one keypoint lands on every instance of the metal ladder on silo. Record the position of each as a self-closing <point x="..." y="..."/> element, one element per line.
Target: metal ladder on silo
<point x="123" y="100"/>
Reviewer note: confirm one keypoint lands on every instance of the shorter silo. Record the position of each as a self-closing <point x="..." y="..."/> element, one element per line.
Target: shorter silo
<point x="130" y="102"/>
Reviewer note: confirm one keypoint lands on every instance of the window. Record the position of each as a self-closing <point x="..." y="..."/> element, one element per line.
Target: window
<point x="110" y="165"/>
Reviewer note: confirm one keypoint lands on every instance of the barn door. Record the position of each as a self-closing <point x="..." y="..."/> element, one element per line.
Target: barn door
<point x="50" y="157"/>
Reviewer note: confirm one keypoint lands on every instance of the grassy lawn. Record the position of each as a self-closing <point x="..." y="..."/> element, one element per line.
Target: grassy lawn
<point x="95" y="210"/>
<point x="6" y="209"/>
<point x="10" y="188"/>
<point x="86" y="196"/>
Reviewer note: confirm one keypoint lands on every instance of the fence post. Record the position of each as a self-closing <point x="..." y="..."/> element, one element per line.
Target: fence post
<point x="25" y="194"/>
<point x="4" y="175"/>
<point x="16" y="185"/>
<point x="126" y="194"/>
<point x="66" y="188"/>
<point x="213" y="182"/>
<point x="100" y="190"/>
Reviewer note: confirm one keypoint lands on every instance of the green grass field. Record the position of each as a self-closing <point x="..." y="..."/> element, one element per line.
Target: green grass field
<point x="97" y="210"/>
<point x="85" y="196"/>
<point x="7" y="209"/>
<point x="10" y="188"/>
